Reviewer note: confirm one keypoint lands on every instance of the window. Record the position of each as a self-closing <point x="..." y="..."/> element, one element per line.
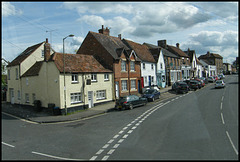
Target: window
<point x="101" y="95"/>
<point x="132" y="66"/>
<point x="26" y="97"/>
<point x="123" y="66"/>
<point x="33" y="97"/>
<point x="42" y="53"/>
<point x="152" y="66"/>
<point x="16" y="73"/>
<point x="152" y="79"/>
<point x="143" y="65"/>
<point x="145" y="80"/>
<point x="26" y="81"/>
<point x="161" y="65"/>
<point x="94" y="77"/>
<point x="124" y="85"/>
<point x="19" y="95"/>
<point x="76" y="98"/>
<point x="8" y="74"/>
<point x="133" y="84"/>
<point x="74" y="78"/>
<point x="106" y="77"/>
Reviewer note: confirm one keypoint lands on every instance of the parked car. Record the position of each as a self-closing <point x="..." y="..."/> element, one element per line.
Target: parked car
<point x="180" y="87"/>
<point x="199" y="84"/>
<point x="129" y="102"/>
<point x="215" y="77"/>
<point x="151" y="94"/>
<point x="201" y="81"/>
<point x="211" y="79"/>
<point x="219" y="84"/>
<point x="221" y="76"/>
<point x="193" y="84"/>
<point x="204" y="79"/>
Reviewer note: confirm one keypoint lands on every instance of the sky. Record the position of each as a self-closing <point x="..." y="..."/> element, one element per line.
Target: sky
<point x="200" y="26"/>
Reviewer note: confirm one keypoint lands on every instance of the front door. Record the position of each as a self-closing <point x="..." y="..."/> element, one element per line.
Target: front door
<point x="90" y="99"/>
<point x="12" y="95"/>
<point x="117" y="89"/>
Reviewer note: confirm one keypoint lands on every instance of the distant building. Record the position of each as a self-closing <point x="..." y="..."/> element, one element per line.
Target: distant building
<point x="213" y="59"/>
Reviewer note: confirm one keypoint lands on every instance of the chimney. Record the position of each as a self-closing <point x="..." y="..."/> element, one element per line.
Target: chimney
<point x="208" y="54"/>
<point x="120" y="36"/>
<point x="47" y="50"/>
<point x="177" y="45"/>
<point x="162" y="43"/>
<point x="104" y="31"/>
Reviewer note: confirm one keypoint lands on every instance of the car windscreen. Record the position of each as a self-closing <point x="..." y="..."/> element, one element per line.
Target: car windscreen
<point x="149" y="91"/>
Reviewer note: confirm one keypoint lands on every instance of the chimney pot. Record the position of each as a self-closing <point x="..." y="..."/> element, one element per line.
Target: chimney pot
<point x="120" y="36"/>
<point x="46" y="40"/>
<point x="177" y="45"/>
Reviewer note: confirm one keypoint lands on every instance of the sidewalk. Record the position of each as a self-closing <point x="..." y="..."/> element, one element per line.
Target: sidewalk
<point x="46" y="116"/>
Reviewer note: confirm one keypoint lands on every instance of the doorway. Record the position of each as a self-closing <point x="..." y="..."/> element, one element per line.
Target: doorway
<point x="90" y="99"/>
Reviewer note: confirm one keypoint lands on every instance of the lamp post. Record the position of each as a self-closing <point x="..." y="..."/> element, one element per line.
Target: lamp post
<point x="64" y="81"/>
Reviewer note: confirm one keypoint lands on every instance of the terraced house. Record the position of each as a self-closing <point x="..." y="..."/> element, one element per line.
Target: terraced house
<point x="114" y="55"/>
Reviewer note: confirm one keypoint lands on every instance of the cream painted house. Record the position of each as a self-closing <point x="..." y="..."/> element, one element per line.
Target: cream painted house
<point x="87" y="82"/>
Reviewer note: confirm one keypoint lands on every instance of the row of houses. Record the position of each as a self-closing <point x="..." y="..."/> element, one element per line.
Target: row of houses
<point x="103" y="69"/>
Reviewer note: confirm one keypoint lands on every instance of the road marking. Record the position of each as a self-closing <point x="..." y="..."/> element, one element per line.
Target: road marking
<point x="130" y="131"/>
<point x="55" y="157"/>
<point x="100" y="151"/>
<point x="105" y="157"/>
<point x="222" y="118"/>
<point x="116" y="146"/>
<point x="125" y="136"/>
<point x="116" y="136"/>
<point x="93" y="158"/>
<point x="121" y="140"/>
<point x="7" y="144"/>
<point x="222" y="98"/>
<point x="111" y="141"/>
<point x="20" y="118"/>
<point x="234" y="148"/>
<point x="221" y="106"/>
<point x="110" y="151"/>
<point x="105" y="146"/>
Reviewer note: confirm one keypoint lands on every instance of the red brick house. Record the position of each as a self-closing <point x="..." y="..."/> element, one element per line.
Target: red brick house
<point x="114" y="55"/>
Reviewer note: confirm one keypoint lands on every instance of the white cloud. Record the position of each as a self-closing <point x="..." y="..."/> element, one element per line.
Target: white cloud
<point x="8" y="9"/>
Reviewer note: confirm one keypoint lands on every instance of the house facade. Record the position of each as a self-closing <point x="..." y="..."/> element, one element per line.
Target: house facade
<point x="114" y="55"/>
<point x="84" y="83"/>
<point x="158" y="54"/>
<point x="209" y="70"/>
<point x="148" y="63"/>
<point x="213" y="59"/>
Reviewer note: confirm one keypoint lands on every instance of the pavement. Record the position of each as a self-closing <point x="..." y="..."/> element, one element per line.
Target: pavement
<point x="47" y="116"/>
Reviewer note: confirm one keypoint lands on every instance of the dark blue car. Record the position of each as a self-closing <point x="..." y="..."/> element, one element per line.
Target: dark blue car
<point x="151" y="94"/>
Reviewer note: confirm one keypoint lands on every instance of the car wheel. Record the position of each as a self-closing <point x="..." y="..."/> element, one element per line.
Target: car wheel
<point x="153" y="99"/>
<point x="130" y="106"/>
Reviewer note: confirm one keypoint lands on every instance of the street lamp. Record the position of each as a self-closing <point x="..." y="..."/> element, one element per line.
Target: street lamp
<point x="71" y="35"/>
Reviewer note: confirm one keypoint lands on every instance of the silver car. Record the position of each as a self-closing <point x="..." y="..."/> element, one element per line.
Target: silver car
<point x="219" y="84"/>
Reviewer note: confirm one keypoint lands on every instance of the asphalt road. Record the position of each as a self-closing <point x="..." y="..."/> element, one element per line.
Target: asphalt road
<point x="202" y="124"/>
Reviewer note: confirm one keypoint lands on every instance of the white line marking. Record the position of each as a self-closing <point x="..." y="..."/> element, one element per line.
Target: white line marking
<point x="130" y="131"/>
<point x="120" y="132"/>
<point x="121" y="140"/>
<point x="110" y="141"/>
<point x="111" y="151"/>
<point x="105" y="157"/>
<point x="125" y="128"/>
<point x="221" y="106"/>
<point x="116" y="146"/>
<point x="100" y="151"/>
<point x="116" y="136"/>
<point x="222" y="118"/>
<point x="236" y="151"/>
<point x="125" y="136"/>
<point x="129" y="125"/>
<point x="93" y="158"/>
<point x="20" y="118"/>
<point x="222" y="98"/>
<point x="105" y="146"/>
<point x="134" y="127"/>
<point x="38" y="153"/>
<point x="7" y="144"/>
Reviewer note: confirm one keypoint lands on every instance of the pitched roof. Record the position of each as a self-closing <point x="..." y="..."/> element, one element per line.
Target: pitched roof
<point x="34" y="70"/>
<point x="209" y="55"/>
<point x="20" y="58"/>
<point x="110" y="43"/>
<point x="177" y="51"/>
<point x="142" y="51"/>
<point x="78" y="63"/>
<point x="155" y="50"/>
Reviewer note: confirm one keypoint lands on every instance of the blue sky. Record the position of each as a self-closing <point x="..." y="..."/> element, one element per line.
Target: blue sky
<point x="200" y="26"/>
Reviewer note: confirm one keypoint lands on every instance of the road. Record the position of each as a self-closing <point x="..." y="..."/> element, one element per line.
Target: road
<point x="202" y="124"/>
